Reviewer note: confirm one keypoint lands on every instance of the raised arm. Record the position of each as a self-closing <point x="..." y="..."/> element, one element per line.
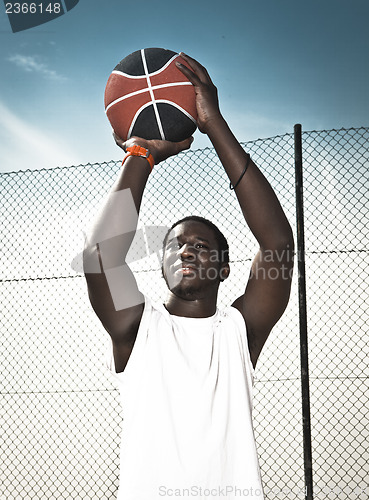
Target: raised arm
<point x="268" y="287"/>
<point x="111" y="284"/>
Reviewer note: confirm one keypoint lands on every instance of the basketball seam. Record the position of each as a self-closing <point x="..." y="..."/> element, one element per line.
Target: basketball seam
<point x="158" y="120"/>
<point x="159" y="101"/>
<point x="141" y="91"/>
<point x="134" y="119"/>
<point x="175" y="105"/>
<point x="117" y="72"/>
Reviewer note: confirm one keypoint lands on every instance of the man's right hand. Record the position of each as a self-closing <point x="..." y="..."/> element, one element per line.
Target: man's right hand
<point x="160" y="150"/>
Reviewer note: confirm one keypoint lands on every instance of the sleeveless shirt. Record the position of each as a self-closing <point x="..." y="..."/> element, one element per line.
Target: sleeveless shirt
<point x="186" y="396"/>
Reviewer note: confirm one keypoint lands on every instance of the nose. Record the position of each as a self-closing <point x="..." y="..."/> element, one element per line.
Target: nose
<point x="187" y="251"/>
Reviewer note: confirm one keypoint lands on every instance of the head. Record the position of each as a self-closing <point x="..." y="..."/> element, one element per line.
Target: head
<point x="195" y="255"/>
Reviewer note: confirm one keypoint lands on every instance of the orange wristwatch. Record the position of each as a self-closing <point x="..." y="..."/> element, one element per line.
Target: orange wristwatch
<point x="136" y="150"/>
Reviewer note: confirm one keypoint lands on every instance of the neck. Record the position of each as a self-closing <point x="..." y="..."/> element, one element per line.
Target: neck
<point x="191" y="308"/>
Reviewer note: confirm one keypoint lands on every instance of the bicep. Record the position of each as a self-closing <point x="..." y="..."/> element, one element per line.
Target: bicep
<point x="117" y="302"/>
<point x="266" y="296"/>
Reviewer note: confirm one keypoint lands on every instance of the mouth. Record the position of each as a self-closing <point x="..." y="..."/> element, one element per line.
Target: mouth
<point x="186" y="270"/>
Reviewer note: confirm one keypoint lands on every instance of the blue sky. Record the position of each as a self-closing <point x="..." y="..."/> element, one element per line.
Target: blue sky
<point x="275" y="63"/>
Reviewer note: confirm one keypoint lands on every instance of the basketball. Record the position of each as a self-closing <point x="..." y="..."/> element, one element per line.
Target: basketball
<point x="148" y="96"/>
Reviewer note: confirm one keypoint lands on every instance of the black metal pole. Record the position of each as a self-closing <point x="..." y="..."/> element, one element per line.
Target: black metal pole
<point x="306" y="425"/>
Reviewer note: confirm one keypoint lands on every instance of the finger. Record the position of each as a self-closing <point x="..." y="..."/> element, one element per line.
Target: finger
<point x="192" y="77"/>
<point x="119" y="141"/>
<point x="198" y="68"/>
<point x="186" y="144"/>
<point x="176" y="147"/>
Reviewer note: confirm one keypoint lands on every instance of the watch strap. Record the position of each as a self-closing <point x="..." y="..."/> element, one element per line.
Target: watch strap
<point x="137" y="150"/>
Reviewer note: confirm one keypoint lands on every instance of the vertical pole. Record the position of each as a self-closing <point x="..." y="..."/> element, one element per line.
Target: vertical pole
<point x="306" y="426"/>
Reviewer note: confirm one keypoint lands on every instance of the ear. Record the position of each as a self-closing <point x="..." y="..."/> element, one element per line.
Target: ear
<point x="224" y="271"/>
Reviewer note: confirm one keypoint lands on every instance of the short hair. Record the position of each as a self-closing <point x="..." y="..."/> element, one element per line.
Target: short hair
<point x="219" y="236"/>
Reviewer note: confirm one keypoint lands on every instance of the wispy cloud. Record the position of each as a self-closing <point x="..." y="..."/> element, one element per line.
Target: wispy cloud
<point x="32" y="64"/>
<point x="24" y="146"/>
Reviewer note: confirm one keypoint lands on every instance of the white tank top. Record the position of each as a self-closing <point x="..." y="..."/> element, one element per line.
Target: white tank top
<point x="186" y="396"/>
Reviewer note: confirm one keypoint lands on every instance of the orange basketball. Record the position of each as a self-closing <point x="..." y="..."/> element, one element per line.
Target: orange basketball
<point x="148" y="96"/>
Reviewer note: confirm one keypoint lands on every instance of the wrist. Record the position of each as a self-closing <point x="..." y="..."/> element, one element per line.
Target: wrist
<point x="141" y="152"/>
<point x="212" y="124"/>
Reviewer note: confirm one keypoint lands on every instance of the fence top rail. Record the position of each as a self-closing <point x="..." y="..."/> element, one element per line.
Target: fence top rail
<point x="194" y="151"/>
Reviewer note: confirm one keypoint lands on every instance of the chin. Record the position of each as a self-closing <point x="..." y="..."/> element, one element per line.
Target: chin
<point x="186" y="292"/>
<point x="183" y="290"/>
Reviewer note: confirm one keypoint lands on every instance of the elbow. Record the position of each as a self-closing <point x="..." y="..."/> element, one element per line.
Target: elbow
<point x="286" y="244"/>
<point x="279" y="246"/>
<point x="91" y="259"/>
<point x="280" y="239"/>
<point x="287" y="239"/>
<point x="286" y="248"/>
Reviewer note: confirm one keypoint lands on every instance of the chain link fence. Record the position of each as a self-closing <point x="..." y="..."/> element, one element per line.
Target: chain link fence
<point x="60" y="411"/>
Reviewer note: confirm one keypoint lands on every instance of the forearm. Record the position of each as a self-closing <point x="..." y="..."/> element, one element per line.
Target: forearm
<point x="259" y="204"/>
<point x="114" y="228"/>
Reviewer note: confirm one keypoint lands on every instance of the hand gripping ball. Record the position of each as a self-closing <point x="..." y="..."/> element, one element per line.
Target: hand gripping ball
<point x="148" y="96"/>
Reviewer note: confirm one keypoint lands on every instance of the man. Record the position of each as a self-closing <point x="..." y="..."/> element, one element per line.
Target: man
<point x="184" y="368"/>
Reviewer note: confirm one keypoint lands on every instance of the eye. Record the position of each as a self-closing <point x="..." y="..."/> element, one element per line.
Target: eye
<point x="200" y="245"/>
<point x="173" y="245"/>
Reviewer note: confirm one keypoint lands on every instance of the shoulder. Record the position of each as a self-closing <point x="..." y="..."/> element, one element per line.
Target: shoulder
<point x="148" y="322"/>
<point x="234" y="324"/>
<point x="238" y="315"/>
<point x="233" y="315"/>
<point x="235" y="335"/>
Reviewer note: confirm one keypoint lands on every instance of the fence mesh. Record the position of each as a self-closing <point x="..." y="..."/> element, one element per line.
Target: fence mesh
<point x="60" y="413"/>
<point x="337" y="216"/>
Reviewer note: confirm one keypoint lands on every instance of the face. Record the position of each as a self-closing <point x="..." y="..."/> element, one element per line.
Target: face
<point x="192" y="262"/>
